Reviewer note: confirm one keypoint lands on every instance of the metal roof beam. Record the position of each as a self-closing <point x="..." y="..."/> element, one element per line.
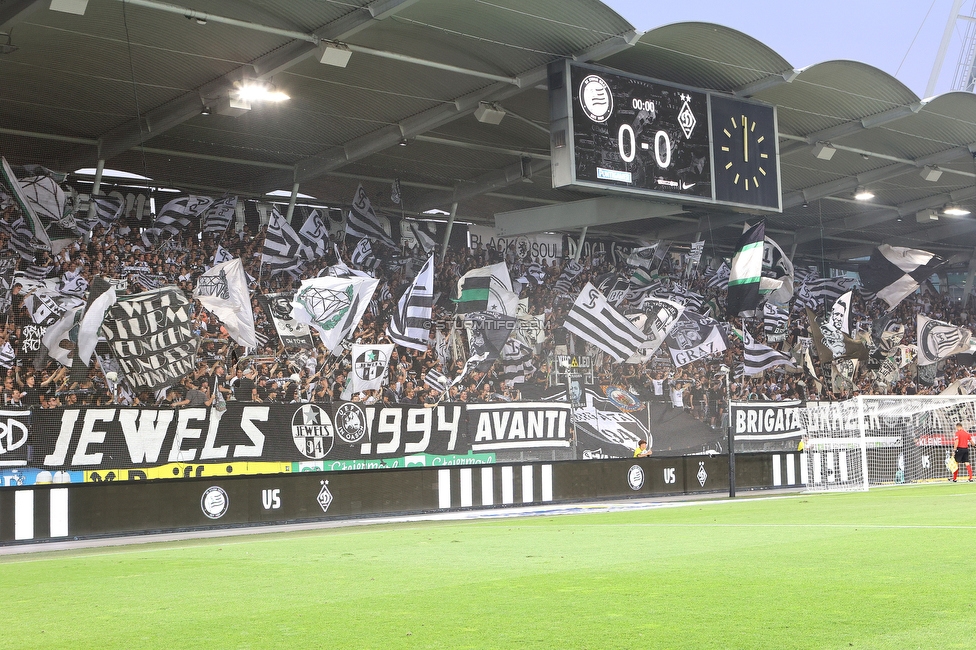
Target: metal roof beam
<point x="188" y="105"/>
<point x="678" y="231"/>
<point x="366" y="145"/>
<point x="850" y="128"/>
<point x="600" y="211"/>
<point x="766" y="83"/>
<point x="488" y="182"/>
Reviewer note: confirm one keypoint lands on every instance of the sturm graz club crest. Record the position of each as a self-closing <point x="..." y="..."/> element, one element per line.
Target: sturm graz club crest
<point x="312" y="431"/>
<point x="370" y="365"/>
<point x="595" y="98"/>
<point x="635" y="477"/>
<point x="214" y="502"/>
<point x="350" y="422"/>
<point x="686" y="333"/>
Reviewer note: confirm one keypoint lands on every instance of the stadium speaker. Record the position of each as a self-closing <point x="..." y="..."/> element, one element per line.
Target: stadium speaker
<point x="76" y="7"/>
<point x="232" y="106"/>
<point x="334" y="54"/>
<point x="489" y="113"/>
<point x="926" y="216"/>
<point x="823" y="151"/>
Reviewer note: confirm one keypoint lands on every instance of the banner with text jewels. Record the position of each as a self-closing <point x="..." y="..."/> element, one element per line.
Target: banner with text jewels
<point x="98" y="444"/>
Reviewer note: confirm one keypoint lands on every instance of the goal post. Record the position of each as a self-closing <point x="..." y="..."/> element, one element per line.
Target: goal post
<point x="881" y="440"/>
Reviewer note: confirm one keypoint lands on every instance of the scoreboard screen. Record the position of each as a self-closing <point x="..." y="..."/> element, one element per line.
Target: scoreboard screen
<point x="623" y="133"/>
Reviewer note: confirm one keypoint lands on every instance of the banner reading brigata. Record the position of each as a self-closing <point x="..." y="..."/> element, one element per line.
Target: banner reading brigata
<point x="123" y="438"/>
<point x="767" y="426"/>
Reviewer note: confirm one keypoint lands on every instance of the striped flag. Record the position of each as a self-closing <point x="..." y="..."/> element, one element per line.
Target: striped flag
<point x="719" y="277"/>
<point x="594" y="320"/>
<point x="283" y="249"/>
<point x="410" y="323"/>
<point x="37" y="272"/>
<point x="363" y="257"/>
<point x="363" y="222"/>
<point x="106" y="210"/>
<point x="31" y="222"/>
<point x="21" y="238"/>
<point x="564" y="285"/>
<point x="517" y="363"/>
<point x="759" y="357"/>
<point x="315" y="233"/>
<point x="893" y="272"/>
<point x="746" y="271"/>
<point x="176" y="215"/>
<point x="220" y="215"/>
<point x="826" y="290"/>
<point x="776" y="320"/>
<point x="7" y="355"/>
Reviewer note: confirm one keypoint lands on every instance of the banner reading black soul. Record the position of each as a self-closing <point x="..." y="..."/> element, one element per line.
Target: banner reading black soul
<point x="92" y="438"/>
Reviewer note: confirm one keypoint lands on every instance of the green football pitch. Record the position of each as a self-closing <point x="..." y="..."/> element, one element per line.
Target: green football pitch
<point x="889" y="568"/>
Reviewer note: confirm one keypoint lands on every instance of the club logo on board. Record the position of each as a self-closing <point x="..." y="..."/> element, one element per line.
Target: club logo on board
<point x="214" y="502"/>
<point x="595" y="98"/>
<point x="635" y="477"/>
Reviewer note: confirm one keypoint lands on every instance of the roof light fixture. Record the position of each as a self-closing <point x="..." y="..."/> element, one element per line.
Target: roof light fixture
<point x="863" y="194"/>
<point x="255" y="91"/>
<point x="954" y="210"/>
<point x="824" y="150"/>
<point x="931" y="173"/>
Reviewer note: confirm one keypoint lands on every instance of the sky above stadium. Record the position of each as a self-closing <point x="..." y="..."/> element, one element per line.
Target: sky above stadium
<point x="900" y="37"/>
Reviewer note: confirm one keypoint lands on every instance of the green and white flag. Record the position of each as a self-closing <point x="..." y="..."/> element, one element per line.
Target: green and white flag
<point x="487" y="289"/>
<point x="744" y="277"/>
<point x="333" y="306"/>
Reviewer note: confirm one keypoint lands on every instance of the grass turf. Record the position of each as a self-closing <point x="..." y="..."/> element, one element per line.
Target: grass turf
<point x="883" y="569"/>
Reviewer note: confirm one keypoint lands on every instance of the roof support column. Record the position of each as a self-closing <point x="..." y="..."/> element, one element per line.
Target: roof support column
<point x="579" y="249"/>
<point x="291" y="202"/>
<point x="450" y="227"/>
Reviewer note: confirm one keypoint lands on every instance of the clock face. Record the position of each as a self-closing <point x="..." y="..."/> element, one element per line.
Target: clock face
<point x="744" y="144"/>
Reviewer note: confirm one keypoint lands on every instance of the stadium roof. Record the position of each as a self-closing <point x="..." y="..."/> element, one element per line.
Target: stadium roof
<point x="75" y="84"/>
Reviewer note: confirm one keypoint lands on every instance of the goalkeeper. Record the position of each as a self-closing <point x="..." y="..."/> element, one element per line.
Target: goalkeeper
<point x="961" y="451"/>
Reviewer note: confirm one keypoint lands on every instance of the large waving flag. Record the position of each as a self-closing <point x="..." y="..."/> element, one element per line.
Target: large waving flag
<point x="315" y="233"/>
<point x="223" y="290"/>
<point x="333" y="306"/>
<point x="220" y="214"/>
<point x="489" y="289"/>
<point x="893" y="272"/>
<point x="744" y="277"/>
<point x="593" y="319"/>
<point x="32" y="223"/>
<point x="410" y="324"/>
<point x="363" y="222"/>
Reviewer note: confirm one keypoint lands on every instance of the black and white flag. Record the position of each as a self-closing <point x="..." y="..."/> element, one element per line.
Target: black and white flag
<point x="410" y="324"/>
<point x="516" y="361"/>
<point x="720" y="277"/>
<point x="893" y="273"/>
<point x="222" y="255"/>
<point x="656" y="319"/>
<point x="333" y="306"/>
<point x="7" y="355"/>
<point x="363" y="257"/>
<point x="841" y="315"/>
<point x="363" y="222"/>
<point x="487" y="334"/>
<point x="177" y="215"/>
<point x="825" y="290"/>
<point x="315" y="233"/>
<point x="695" y="337"/>
<point x="776" y="320"/>
<point x="759" y="357"/>
<point x="291" y="333"/>
<point x="937" y="340"/>
<point x="369" y="365"/>
<point x="151" y="336"/>
<point x="106" y="210"/>
<point x="564" y="284"/>
<point x="281" y="242"/>
<point x="101" y="297"/>
<point x="593" y="319"/>
<point x="32" y="231"/>
<point x="395" y="195"/>
<point x="220" y="214"/>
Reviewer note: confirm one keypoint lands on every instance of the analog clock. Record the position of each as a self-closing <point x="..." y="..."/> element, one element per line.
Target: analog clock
<point x="745" y="152"/>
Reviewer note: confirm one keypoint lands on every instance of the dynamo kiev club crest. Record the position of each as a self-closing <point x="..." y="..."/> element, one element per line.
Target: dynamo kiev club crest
<point x="370" y="365"/>
<point x="350" y="422"/>
<point x="596" y="99"/>
<point x="312" y="431"/>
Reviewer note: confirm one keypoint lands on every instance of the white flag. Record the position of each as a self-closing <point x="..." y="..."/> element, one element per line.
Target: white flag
<point x="369" y="366"/>
<point x="333" y="306"/>
<point x="223" y="290"/>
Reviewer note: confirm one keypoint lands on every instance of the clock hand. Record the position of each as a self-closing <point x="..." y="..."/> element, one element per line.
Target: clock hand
<point x="745" y="139"/>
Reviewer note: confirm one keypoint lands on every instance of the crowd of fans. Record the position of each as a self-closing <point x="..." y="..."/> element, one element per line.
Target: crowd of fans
<point x="271" y="373"/>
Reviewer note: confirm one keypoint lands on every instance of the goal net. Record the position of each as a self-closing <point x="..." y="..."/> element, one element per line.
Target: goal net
<point x="882" y="440"/>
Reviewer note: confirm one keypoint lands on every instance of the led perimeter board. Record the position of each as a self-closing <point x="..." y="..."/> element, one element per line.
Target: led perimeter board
<point x="621" y="133"/>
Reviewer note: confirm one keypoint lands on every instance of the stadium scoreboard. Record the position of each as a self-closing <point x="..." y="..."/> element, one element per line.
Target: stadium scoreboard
<point x="622" y="133"/>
